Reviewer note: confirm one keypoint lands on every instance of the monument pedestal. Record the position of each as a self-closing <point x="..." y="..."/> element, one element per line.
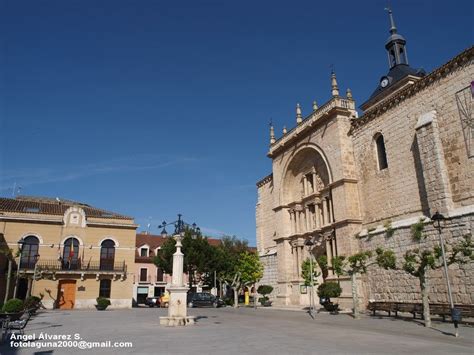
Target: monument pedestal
<point x="177" y="309"/>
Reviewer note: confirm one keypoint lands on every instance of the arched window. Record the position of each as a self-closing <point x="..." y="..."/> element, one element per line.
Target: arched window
<point x="29" y="252"/>
<point x="381" y="153"/>
<point x="107" y="255"/>
<point x="71" y="259"/>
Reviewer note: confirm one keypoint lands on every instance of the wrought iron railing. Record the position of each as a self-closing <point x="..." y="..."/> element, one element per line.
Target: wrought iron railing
<point x="76" y="265"/>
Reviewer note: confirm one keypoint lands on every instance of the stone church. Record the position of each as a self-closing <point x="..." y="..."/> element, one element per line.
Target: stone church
<point x="343" y="181"/>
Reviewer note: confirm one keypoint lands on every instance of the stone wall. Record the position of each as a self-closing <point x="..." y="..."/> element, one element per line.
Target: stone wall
<point x="399" y="190"/>
<point x="264" y="215"/>
<point x="270" y="272"/>
<point x="397" y="285"/>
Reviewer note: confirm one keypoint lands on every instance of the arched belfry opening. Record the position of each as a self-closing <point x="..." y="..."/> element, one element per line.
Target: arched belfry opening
<point x="306" y="192"/>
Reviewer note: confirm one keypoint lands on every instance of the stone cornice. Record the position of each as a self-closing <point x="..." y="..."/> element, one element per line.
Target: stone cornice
<point x="335" y="105"/>
<point x="392" y="101"/>
<point x="265" y="180"/>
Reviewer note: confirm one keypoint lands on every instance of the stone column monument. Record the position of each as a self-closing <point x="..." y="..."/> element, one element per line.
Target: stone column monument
<point x="177" y="309"/>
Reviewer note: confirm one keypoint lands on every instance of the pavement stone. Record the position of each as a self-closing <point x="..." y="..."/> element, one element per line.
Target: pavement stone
<point x="246" y="331"/>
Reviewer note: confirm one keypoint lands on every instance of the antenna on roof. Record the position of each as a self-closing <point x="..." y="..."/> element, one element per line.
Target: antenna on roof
<point x="14" y="188"/>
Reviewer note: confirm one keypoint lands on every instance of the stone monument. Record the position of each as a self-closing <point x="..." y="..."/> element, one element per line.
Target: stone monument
<point x="177" y="309"/>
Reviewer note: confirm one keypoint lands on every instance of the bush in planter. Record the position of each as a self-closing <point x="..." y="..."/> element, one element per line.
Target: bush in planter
<point x="102" y="303"/>
<point x="328" y="290"/>
<point x="264" y="290"/>
<point x="13" y="306"/>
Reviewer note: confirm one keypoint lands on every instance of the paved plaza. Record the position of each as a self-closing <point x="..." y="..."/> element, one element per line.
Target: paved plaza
<point x="244" y="331"/>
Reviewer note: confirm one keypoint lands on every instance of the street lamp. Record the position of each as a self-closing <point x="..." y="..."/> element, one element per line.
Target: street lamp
<point x="439" y="221"/>
<point x="180" y="227"/>
<point x="37" y="256"/>
<point x="309" y="243"/>
<point x="21" y="242"/>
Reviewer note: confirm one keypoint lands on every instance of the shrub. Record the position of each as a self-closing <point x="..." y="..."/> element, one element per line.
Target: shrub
<point x="417" y="230"/>
<point x="389" y="231"/>
<point x="228" y="301"/>
<point x="329" y="289"/>
<point x="103" y="302"/>
<point x="13" y="306"/>
<point x="264" y="289"/>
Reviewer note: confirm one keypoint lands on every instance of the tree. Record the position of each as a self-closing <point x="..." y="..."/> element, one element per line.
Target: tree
<point x="419" y="261"/>
<point x="224" y="262"/>
<point x="248" y="271"/>
<point x="197" y="255"/>
<point x="306" y="272"/>
<point x="358" y="264"/>
<point x="7" y="252"/>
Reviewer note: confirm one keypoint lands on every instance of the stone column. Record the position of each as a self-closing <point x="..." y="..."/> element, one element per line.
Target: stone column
<point x="435" y="172"/>
<point x="177" y="308"/>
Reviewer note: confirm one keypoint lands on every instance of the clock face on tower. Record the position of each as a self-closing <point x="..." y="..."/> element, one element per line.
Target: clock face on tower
<point x="384" y="82"/>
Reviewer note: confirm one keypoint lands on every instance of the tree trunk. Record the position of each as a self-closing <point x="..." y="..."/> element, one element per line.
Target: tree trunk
<point x="236" y="297"/>
<point x="355" y="296"/>
<point x="426" y="302"/>
<point x="9" y="277"/>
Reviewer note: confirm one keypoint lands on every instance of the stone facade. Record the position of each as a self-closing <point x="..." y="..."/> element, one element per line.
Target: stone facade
<point x="337" y="176"/>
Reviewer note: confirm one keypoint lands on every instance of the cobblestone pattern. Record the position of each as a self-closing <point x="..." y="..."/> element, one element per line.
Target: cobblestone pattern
<point x="396" y="285"/>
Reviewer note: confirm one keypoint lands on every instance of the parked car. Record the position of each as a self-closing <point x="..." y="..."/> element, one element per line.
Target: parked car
<point x="152" y="301"/>
<point x="204" y="299"/>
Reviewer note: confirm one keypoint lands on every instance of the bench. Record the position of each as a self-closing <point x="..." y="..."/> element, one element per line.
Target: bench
<point x="440" y="309"/>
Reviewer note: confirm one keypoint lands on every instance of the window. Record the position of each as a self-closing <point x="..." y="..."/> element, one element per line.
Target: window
<point x="107" y="255"/>
<point x="381" y="153"/>
<point x="143" y="275"/>
<point x="29" y="252"/>
<point x="104" y="288"/>
<point x="159" y="274"/>
<point x="70" y="259"/>
<point x="144" y="252"/>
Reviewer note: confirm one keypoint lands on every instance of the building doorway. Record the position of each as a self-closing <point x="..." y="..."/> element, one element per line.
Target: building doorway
<point x="142" y="294"/>
<point x="66" y="294"/>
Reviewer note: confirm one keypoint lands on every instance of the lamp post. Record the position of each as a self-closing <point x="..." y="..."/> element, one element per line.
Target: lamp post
<point x="37" y="256"/>
<point x="309" y="243"/>
<point x="21" y="242"/>
<point x="437" y="218"/>
<point x="177" y="309"/>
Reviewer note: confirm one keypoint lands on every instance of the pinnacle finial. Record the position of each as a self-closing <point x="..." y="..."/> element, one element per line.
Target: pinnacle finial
<point x="285" y="131"/>
<point x="299" y="116"/>
<point x="315" y="105"/>
<point x="349" y="93"/>
<point x="272" y="133"/>
<point x="335" y="88"/>
<point x="393" y="28"/>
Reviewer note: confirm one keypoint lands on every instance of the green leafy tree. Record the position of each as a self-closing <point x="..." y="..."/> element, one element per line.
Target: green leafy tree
<point x="197" y="255"/>
<point x="306" y="272"/>
<point x="419" y="261"/>
<point x="8" y="254"/>
<point x="248" y="271"/>
<point x="358" y="264"/>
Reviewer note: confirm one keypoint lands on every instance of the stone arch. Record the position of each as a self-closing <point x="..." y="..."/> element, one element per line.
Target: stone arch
<point x="306" y="159"/>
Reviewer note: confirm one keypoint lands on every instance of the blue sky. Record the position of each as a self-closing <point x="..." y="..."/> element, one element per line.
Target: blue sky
<point x="153" y="108"/>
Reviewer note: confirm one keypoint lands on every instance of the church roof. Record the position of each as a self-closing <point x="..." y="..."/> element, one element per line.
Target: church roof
<point x="394" y="75"/>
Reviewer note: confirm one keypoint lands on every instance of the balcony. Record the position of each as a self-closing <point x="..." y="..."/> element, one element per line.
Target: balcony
<point x="75" y="267"/>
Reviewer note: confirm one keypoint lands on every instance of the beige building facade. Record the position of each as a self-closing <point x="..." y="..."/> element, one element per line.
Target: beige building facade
<point x="342" y="180"/>
<point x="67" y="252"/>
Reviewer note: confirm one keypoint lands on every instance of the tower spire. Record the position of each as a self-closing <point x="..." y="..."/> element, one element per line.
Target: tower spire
<point x="299" y="116"/>
<point x="334" y="87"/>
<point x="395" y="44"/>
<point x="393" y="28"/>
<point x="272" y="133"/>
